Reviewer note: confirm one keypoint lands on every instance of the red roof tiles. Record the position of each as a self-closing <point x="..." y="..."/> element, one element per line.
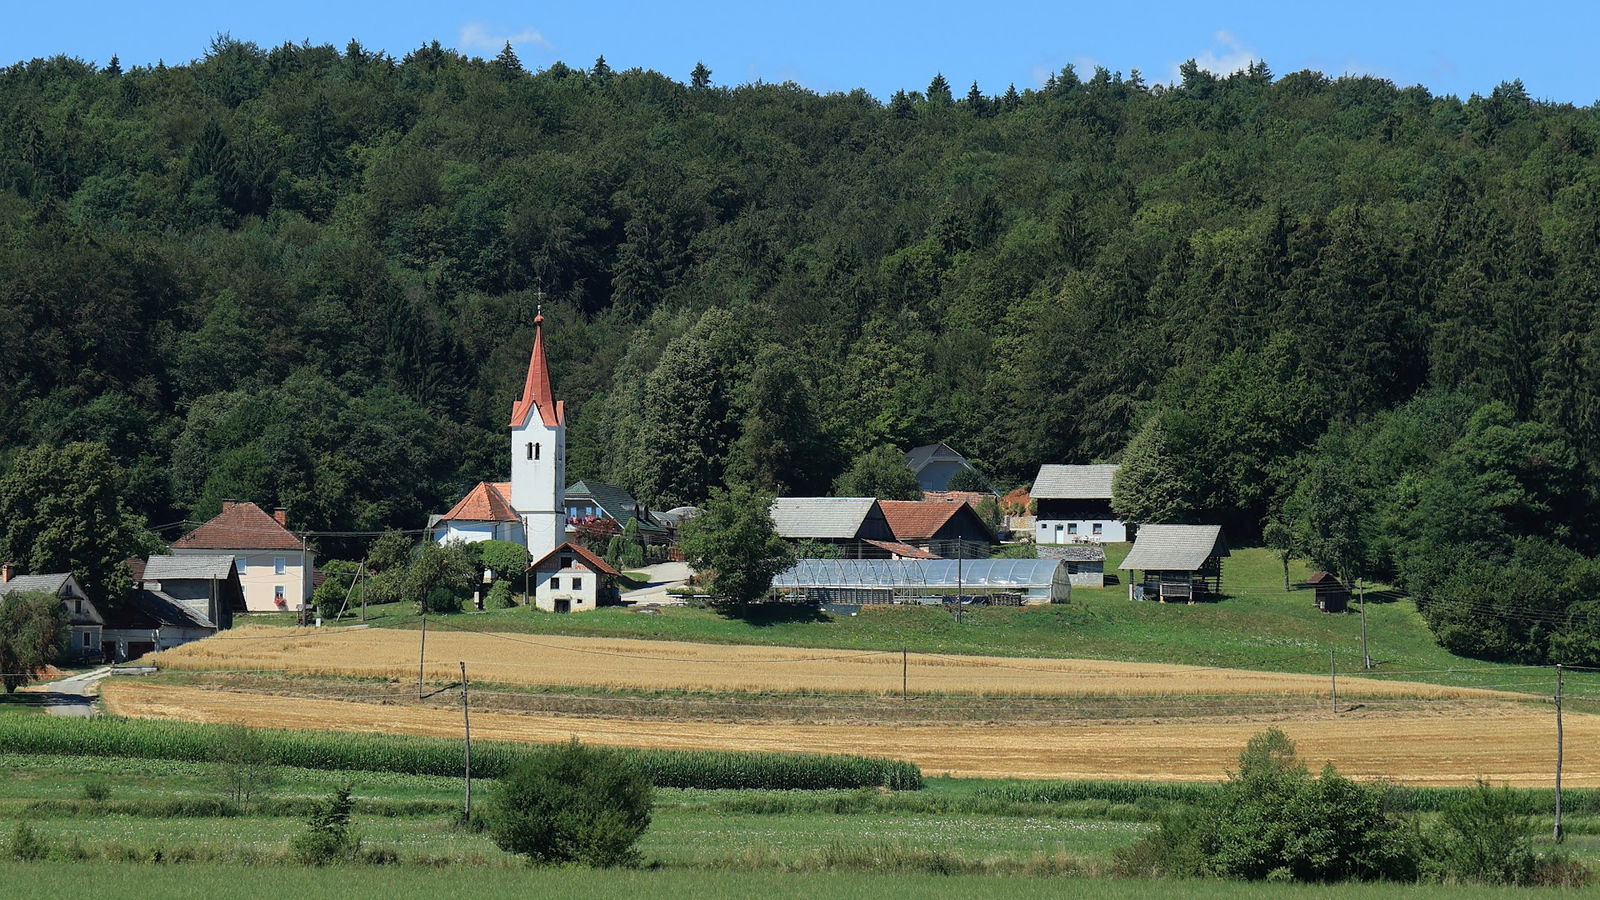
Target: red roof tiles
<point x="917" y="520"/>
<point x="240" y="526"/>
<point x="490" y="501"/>
<point x="904" y="551"/>
<point x="588" y="556"/>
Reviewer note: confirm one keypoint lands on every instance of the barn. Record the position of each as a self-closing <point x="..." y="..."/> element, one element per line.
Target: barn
<point x="1177" y="562"/>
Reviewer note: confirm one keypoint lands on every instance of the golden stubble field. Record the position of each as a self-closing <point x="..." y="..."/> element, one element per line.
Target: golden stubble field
<point x="1504" y="743"/>
<point x="676" y="665"/>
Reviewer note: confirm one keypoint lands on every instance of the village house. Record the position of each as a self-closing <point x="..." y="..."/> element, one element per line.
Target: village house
<point x="942" y="528"/>
<point x="856" y="525"/>
<point x="571" y="578"/>
<point x="607" y="509"/>
<point x="87" y="623"/>
<point x="174" y="600"/>
<point x="1072" y="504"/>
<point x="274" y="567"/>
<point x="1178" y="562"/>
<point x="935" y="464"/>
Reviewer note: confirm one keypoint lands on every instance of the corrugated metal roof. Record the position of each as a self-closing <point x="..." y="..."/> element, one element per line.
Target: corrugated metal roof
<point x="1073" y="482"/>
<point x="49" y="584"/>
<point x="914" y="573"/>
<point x="1183" y="548"/>
<point x="178" y="568"/>
<point x="799" y="518"/>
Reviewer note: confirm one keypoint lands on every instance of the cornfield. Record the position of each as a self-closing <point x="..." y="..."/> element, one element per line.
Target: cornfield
<point x="110" y="736"/>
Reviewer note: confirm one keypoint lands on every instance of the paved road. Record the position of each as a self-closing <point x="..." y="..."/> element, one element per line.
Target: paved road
<point x="662" y="577"/>
<point x="71" y="696"/>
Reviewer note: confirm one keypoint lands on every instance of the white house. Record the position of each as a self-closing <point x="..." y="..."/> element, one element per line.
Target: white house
<point x="530" y="508"/>
<point x="87" y="622"/>
<point x="571" y="578"/>
<point x="274" y="566"/>
<point x="1072" y="504"/>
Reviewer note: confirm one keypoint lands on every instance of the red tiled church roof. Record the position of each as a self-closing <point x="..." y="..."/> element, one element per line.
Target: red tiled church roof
<point x="240" y="526"/>
<point x="584" y="553"/>
<point x="916" y="520"/>
<point x="536" y="388"/>
<point x="490" y="501"/>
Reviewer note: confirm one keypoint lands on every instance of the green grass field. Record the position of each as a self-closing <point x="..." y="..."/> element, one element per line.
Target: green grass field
<point x="1258" y="626"/>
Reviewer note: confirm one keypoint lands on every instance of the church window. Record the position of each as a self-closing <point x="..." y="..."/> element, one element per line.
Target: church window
<point x="530" y="449"/>
<point x="535" y="451"/>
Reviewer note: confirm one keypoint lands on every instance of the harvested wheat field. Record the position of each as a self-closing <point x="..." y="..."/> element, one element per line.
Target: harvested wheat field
<point x="677" y="665"/>
<point x="1504" y="744"/>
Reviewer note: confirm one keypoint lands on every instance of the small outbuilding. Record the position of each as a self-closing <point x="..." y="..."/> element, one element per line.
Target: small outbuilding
<point x="571" y="578"/>
<point x="1177" y="562"/>
<point x="1332" y="595"/>
<point x="1086" y="563"/>
<point x="1013" y="582"/>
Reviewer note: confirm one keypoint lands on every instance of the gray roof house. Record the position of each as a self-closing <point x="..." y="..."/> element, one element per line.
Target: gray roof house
<point x="175" y="600"/>
<point x="594" y="501"/>
<point x="934" y="465"/>
<point x="84" y="615"/>
<point x="1178" y="561"/>
<point x="1073" y="482"/>
<point x="857" y="524"/>
<point x="1073" y="504"/>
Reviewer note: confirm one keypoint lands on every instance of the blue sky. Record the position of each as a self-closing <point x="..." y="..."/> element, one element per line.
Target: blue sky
<point x="1458" y="48"/>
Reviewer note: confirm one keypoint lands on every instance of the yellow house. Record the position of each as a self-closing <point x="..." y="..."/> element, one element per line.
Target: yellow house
<point x="274" y="566"/>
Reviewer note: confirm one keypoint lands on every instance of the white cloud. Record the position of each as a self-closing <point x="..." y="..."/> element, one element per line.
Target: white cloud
<point x="1225" y="57"/>
<point x="478" y="36"/>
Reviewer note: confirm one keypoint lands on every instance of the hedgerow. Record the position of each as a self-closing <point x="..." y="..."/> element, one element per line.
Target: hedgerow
<point x="706" y="769"/>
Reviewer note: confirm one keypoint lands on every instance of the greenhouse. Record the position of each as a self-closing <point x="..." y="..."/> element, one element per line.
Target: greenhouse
<point x="996" y="581"/>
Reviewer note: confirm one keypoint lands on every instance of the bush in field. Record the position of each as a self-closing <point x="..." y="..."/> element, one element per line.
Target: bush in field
<point x="95" y="790"/>
<point x="27" y="845"/>
<point x="1483" y="836"/>
<point x="331" y="594"/>
<point x="1274" y="821"/>
<point x="327" y="837"/>
<point x="248" y="766"/>
<point x="572" y="803"/>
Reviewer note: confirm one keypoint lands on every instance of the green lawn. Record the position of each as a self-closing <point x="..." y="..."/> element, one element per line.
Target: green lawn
<point x="67" y="880"/>
<point x="1258" y="626"/>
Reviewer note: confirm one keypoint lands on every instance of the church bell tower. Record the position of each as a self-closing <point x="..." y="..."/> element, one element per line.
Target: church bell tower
<point x="539" y="455"/>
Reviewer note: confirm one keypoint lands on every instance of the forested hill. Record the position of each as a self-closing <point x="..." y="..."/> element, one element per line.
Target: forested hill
<point x="308" y="276"/>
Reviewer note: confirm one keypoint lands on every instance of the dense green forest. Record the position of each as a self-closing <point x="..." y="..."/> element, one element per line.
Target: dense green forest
<point x="308" y="277"/>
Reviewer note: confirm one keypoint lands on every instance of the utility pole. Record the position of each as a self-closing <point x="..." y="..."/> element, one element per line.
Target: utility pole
<point x="1559" y="836"/>
<point x="466" y="727"/>
<point x="1361" y="593"/>
<point x="1333" y="678"/>
<point x="905" y="672"/>
<point x="422" y="653"/>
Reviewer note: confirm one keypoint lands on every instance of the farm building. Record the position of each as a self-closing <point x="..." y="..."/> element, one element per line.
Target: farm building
<point x="274" y="566"/>
<point x="1332" y="595"/>
<point x="930" y="581"/>
<point x="935" y="464"/>
<point x="1086" y="563"/>
<point x="856" y="525"/>
<point x="1073" y="504"/>
<point x="87" y="622"/>
<point x="1178" y="562"/>
<point x="940" y="527"/>
<point x="571" y="578"/>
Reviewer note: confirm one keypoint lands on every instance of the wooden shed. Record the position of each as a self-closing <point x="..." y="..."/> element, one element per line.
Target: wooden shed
<point x="1332" y="595"/>
<point x="1178" y="562"/>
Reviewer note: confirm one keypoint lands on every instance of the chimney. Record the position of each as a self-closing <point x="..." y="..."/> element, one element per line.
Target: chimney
<point x="281" y="514"/>
<point x="8" y="571"/>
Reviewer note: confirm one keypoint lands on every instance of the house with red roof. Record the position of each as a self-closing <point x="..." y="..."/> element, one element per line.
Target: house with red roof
<point x="944" y="528"/>
<point x="274" y="566"/>
<point x="571" y="578"/>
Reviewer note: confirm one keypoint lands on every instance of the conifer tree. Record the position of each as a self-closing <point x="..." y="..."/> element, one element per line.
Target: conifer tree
<point x="700" y="78"/>
<point x="977" y="103"/>
<point x="601" y="72"/>
<point x="939" y="90"/>
<point x="114" y="67"/>
<point x="1011" y="100"/>
<point x="507" y="63"/>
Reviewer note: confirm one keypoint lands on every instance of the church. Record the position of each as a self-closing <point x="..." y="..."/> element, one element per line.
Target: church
<point x="530" y="509"/>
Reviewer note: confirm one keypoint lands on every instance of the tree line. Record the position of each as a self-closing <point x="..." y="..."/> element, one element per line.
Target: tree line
<point x="308" y="276"/>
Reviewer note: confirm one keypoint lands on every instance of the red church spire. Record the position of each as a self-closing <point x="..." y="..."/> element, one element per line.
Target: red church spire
<point x="536" y="389"/>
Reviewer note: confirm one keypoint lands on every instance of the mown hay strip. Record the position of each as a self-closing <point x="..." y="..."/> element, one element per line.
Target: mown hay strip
<point x="1504" y="745"/>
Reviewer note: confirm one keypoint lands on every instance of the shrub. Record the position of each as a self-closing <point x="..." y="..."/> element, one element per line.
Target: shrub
<point x="499" y="596"/>
<point x="96" y="790"/>
<point x="1484" y="837"/>
<point x="1273" y="820"/>
<point x="27" y="845"/>
<point x="572" y="803"/>
<point x="327" y="836"/>
<point x="247" y="765"/>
